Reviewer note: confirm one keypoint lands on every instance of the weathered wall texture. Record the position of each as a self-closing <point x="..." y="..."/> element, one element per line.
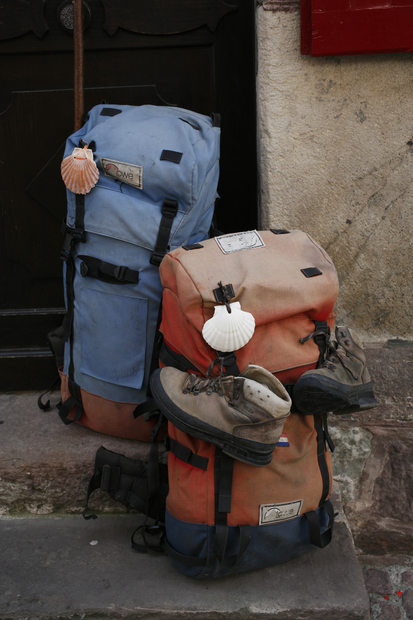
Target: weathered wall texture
<point x="336" y="160"/>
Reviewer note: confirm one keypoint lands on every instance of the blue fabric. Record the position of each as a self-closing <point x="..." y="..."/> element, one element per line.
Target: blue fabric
<point x="114" y="325"/>
<point x="270" y="544"/>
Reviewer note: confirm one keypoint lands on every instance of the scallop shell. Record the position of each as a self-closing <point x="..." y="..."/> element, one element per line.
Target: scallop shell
<point x="79" y="171"/>
<point x="229" y="331"/>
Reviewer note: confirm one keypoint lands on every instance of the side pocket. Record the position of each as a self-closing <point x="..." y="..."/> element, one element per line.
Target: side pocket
<point x="113" y="336"/>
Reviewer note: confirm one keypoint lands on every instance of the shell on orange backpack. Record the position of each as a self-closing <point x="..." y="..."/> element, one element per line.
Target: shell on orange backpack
<point x="79" y="172"/>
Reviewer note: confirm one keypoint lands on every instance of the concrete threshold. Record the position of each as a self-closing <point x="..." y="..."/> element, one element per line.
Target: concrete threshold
<point x="54" y="568"/>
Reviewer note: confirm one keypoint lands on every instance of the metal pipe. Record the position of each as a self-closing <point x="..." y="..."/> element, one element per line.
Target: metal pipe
<point x="78" y="62"/>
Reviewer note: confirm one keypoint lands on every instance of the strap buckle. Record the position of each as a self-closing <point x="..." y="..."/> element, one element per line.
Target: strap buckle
<point x="156" y="258"/>
<point x="169" y="208"/>
<point x="120" y="272"/>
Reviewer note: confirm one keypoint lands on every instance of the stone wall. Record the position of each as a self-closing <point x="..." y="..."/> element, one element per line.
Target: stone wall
<point x="335" y="158"/>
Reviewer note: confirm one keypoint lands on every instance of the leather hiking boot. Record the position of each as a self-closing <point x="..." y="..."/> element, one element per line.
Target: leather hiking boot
<point x="342" y="382"/>
<point x="243" y="415"/>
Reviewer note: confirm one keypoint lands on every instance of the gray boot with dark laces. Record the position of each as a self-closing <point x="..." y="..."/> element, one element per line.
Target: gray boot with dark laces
<point x="243" y="415"/>
<point x="342" y="382"/>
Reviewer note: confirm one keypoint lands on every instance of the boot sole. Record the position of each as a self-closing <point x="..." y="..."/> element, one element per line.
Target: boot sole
<point x="314" y="395"/>
<point x="250" y="452"/>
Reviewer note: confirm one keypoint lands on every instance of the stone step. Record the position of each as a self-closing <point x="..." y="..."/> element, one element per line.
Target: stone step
<point x="53" y="568"/>
<point x="45" y="466"/>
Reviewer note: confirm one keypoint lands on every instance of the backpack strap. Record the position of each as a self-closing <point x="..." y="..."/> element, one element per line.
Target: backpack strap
<point x="75" y="398"/>
<point x="185" y="454"/>
<point x="223" y="473"/>
<point x="322" y="332"/>
<point x="107" y="272"/>
<point x="230" y="363"/>
<point x="318" y="538"/>
<point x="70" y="235"/>
<point x="175" y="359"/>
<point x="322" y="462"/>
<point x="169" y="211"/>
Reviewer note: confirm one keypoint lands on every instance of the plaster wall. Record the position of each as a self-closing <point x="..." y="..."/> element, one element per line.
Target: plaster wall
<point x="336" y="160"/>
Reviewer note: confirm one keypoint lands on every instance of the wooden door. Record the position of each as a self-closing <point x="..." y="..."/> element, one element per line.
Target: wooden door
<point x="196" y="54"/>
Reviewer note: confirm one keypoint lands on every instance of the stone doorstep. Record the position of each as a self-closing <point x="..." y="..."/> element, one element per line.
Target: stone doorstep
<point x="49" y="569"/>
<point x="45" y="466"/>
<point x="53" y="568"/>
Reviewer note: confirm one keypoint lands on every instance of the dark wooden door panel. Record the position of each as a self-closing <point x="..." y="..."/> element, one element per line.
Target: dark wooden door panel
<point x="204" y="62"/>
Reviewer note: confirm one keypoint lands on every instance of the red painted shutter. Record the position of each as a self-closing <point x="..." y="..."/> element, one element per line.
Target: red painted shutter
<point x="339" y="27"/>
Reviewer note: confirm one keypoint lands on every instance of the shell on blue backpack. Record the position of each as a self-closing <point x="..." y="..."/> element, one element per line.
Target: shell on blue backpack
<point x="229" y="331"/>
<point x="79" y="171"/>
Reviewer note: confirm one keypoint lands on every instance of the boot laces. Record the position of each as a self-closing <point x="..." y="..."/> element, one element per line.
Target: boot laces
<point x="331" y="355"/>
<point x="211" y="384"/>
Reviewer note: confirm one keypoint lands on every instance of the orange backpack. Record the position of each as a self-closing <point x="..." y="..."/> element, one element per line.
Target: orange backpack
<point x="284" y="279"/>
<point x="222" y="515"/>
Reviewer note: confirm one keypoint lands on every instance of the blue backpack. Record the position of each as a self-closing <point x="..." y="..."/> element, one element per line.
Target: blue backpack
<point x="158" y="175"/>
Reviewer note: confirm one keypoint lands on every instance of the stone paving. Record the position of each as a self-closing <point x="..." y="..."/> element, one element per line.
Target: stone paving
<point x="390" y="587"/>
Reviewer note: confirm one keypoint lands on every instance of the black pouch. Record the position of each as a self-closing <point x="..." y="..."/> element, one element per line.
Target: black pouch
<point x="141" y="485"/>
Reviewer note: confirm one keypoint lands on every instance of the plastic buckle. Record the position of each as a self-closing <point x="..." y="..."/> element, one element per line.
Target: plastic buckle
<point x="64" y="254"/>
<point x="78" y="235"/>
<point x="169" y="208"/>
<point x="120" y="272"/>
<point x="156" y="259"/>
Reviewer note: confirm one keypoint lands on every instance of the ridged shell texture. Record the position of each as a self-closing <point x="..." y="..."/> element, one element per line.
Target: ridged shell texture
<point x="229" y="331"/>
<point x="79" y="171"/>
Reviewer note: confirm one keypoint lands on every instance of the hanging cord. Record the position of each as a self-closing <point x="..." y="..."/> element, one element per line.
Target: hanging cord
<point x="331" y="353"/>
<point x="226" y="297"/>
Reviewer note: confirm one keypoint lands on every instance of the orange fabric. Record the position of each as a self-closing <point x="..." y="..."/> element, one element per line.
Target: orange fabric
<point x="293" y="474"/>
<point x="268" y="282"/>
<point x="109" y="417"/>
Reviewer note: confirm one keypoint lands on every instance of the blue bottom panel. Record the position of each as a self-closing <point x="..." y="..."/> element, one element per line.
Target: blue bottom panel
<point x="270" y="544"/>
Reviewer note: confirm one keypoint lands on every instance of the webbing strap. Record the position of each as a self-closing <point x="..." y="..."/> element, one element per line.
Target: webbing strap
<point x="189" y="560"/>
<point x="75" y="398"/>
<point x="107" y="272"/>
<point x="223" y="474"/>
<point x="223" y="471"/>
<point x="110" y="478"/>
<point x="185" y="454"/>
<point x="327" y="436"/>
<point x="149" y="406"/>
<point x="169" y="210"/>
<point x="317" y="538"/>
<point x="322" y="463"/>
<point x="68" y="320"/>
<point x="321" y="339"/>
<point x="78" y="232"/>
<point x="94" y="483"/>
<point x="172" y="358"/>
<point x="230" y="363"/>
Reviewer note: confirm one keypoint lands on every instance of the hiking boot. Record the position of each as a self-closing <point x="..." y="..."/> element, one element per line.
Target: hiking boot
<point x="243" y="415"/>
<point x="342" y="382"/>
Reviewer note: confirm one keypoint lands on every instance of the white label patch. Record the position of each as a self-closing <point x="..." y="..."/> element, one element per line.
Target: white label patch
<point x="249" y="240"/>
<point x="272" y="513"/>
<point x="121" y="171"/>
